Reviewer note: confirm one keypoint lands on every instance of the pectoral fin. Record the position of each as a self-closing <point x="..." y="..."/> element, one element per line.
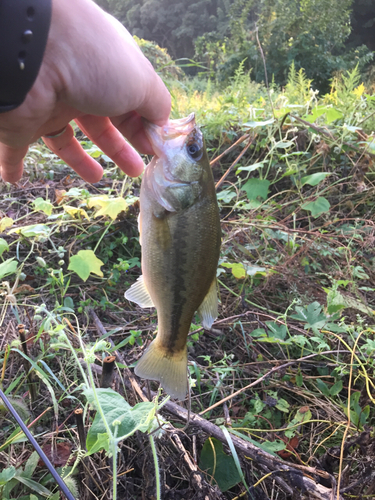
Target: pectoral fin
<point x="138" y="293"/>
<point x="208" y="310"/>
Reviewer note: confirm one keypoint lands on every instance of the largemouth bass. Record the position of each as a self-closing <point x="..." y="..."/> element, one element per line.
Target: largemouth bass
<point x="180" y="235"/>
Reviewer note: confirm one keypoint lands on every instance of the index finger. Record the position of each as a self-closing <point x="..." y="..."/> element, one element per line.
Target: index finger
<point x="70" y="150"/>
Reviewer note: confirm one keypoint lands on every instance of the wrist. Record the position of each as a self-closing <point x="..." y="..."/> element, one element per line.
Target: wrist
<point x="23" y="35"/>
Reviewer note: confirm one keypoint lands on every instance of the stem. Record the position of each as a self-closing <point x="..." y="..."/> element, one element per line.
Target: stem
<point x="72" y="350"/>
<point x="156" y="463"/>
<point x="113" y="440"/>
<point x="97" y="403"/>
<point x="29" y="374"/>
<point x="102" y="236"/>
<point x="114" y="469"/>
<point x="107" y="373"/>
<point x="80" y="428"/>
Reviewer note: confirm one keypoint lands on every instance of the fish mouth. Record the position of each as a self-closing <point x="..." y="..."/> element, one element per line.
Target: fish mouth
<point x="175" y="131"/>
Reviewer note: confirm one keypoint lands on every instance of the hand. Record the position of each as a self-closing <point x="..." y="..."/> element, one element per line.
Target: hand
<point x="93" y="72"/>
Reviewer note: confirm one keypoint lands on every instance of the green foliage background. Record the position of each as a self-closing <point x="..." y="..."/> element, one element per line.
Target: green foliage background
<point x="321" y="36"/>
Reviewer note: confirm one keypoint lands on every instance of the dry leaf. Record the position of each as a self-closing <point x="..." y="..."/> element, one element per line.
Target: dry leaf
<point x="24" y="289"/>
<point x="60" y="195"/>
<point x="59" y="454"/>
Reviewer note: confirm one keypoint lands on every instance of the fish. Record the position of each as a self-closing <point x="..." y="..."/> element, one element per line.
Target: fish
<point x="180" y="236"/>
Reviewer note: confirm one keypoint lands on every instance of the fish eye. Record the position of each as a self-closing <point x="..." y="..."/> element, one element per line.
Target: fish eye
<point x="194" y="151"/>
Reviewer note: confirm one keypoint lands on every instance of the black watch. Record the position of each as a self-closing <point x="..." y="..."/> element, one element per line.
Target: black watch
<point x="24" y="27"/>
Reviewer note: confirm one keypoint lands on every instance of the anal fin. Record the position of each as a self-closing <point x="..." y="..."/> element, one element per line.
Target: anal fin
<point x="208" y="310"/>
<point x="138" y="293"/>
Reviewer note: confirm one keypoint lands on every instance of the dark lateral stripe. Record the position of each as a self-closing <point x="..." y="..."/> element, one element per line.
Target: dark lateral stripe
<point x="179" y="261"/>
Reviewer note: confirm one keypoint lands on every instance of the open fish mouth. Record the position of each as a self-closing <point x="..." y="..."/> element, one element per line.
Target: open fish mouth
<point x="174" y="131"/>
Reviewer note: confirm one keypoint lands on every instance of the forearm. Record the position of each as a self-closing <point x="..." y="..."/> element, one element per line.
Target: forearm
<point x="24" y="28"/>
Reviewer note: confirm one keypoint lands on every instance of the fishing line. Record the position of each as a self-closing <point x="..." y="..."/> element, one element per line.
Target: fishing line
<point x="38" y="449"/>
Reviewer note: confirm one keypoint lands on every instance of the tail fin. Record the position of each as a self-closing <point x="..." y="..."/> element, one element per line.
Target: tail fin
<point x="168" y="369"/>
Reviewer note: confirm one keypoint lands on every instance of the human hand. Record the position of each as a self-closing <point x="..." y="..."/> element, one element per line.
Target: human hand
<point x="93" y="72"/>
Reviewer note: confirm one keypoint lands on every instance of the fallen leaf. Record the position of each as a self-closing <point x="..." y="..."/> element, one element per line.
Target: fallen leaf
<point x="58" y="454"/>
<point x="60" y="195"/>
<point x="5" y="222"/>
<point x="75" y="212"/>
<point x="23" y="289"/>
<point x="291" y="445"/>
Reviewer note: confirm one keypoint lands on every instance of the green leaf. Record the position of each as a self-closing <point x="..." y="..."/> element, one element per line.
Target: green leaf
<point x="322" y="344"/>
<point x="69" y="303"/>
<point x="273" y="446"/>
<point x="41" y="374"/>
<point x="314" y="179"/>
<point x="336" y="388"/>
<point x="33" y="485"/>
<point x="218" y="465"/>
<point x="17" y="436"/>
<point x="101" y="443"/>
<point x="3" y="246"/>
<point x="258" y="405"/>
<point x="33" y="231"/>
<point x="31" y="464"/>
<point x="322" y="386"/>
<point x="299" y="340"/>
<point x="123" y="420"/>
<point x="303" y="415"/>
<point x="226" y="195"/>
<point x="93" y="151"/>
<point x="258" y="124"/>
<point x="283" y="405"/>
<point x="335" y="302"/>
<point x="8" y="267"/>
<point x="276" y="330"/>
<point x="311" y="315"/>
<point x="263" y="446"/>
<point x="255" y="188"/>
<point x="274" y="340"/>
<point x="317" y="207"/>
<point x="43" y="206"/>
<point x="108" y="206"/>
<point x="84" y="263"/>
<point x="7" y="474"/>
<point x="331" y="114"/>
<point x="238" y="269"/>
<point x="252" y="270"/>
<point x="258" y="332"/>
<point x="284" y="144"/>
<point x="250" y="168"/>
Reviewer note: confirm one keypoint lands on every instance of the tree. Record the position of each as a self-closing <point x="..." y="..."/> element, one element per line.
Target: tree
<point x="221" y="33"/>
<point x="312" y="33"/>
<point x="171" y="24"/>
